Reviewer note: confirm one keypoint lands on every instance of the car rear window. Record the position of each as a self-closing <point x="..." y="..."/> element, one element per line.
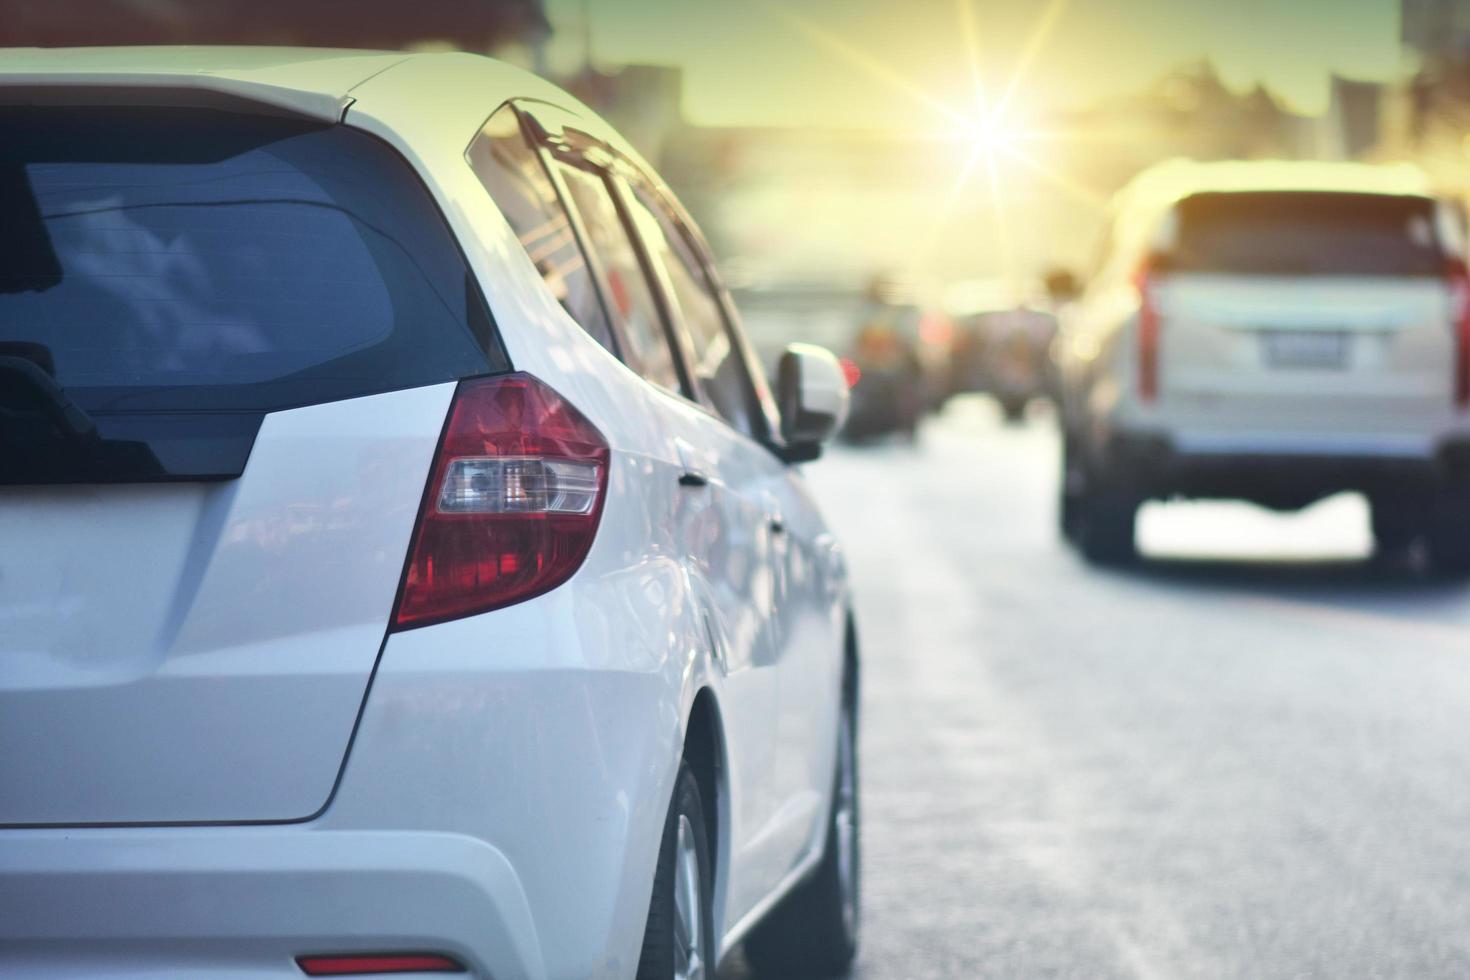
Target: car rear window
<point x="161" y="258"/>
<point x="1305" y="234"/>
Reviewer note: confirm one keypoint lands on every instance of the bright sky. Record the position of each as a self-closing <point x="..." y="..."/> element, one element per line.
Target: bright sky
<point x="884" y="63"/>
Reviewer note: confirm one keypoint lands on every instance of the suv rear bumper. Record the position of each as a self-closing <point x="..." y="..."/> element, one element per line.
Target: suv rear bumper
<point x="1156" y="466"/>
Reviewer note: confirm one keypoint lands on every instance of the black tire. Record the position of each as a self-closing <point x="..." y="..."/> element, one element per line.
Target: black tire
<point x="1106" y="533"/>
<point x="1071" y="491"/>
<point x="813" y="933"/>
<point x="1397" y="522"/>
<point x="1449" y="536"/>
<point x="663" y="955"/>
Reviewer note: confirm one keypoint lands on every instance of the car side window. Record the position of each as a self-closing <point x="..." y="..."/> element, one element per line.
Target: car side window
<point x="719" y="372"/>
<point x="512" y="173"/>
<point x="628" y="293"/>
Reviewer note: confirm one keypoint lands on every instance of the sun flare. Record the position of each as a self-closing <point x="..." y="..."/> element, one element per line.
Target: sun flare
<point x="995" y="135"/>
<point x="996" y="132"/>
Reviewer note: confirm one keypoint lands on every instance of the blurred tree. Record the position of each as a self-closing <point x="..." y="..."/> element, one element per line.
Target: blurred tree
<point x="474" y="25"/>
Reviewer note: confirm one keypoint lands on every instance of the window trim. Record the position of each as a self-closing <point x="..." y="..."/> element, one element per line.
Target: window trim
<point x="553" y="164"/>
<point x="592" y="260"/>
<point x="619" y="175"/>
<point x="755" y="406"/>
<point x="659" y="285"/>
<point x="528" y="128"/>
<point x="556" y="151"/>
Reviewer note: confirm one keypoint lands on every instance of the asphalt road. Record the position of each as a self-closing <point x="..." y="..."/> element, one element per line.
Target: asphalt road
<point x="1247" y="757"/>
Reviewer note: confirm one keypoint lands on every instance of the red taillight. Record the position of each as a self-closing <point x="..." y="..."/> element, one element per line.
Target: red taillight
<point x="1148" y="334"/>
<point x="1459" y="282"/>
<point x="337" y="966"/>
<point x="512" y="503"/>
<point x="936" y="330"/>
<point x="850" y="371"/>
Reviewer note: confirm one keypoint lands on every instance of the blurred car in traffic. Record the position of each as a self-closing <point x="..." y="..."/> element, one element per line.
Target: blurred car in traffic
<point x="895" y="349"/>
<point x="1007" y="353"/>
<point x="898" y="361"/>
<point x="776" y="314"/>
<point x="404" y="564"/>
<point x="889" y="393"/>
<point x="1273" y="332"/>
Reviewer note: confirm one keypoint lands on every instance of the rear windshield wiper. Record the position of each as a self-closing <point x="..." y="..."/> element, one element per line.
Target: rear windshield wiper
<point x="21" y="374"/>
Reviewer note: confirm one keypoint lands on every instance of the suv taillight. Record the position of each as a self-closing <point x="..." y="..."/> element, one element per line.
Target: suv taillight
<point x="1148" y="332"/>
<point x="512" y="504"/>
<point x="1459" y="282"/>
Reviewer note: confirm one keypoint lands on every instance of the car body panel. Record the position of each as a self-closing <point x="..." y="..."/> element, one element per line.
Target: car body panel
<point x="545" y="341"/>
<point x="547" y="734"/>
<point x="199" y="651"/>
<point x="1392" y="341"/>
<point x="1222" y="391"/>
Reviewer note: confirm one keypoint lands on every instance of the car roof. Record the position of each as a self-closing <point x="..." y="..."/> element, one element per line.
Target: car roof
<point x="1174" y="180"/>
<point x="454" y="89"/>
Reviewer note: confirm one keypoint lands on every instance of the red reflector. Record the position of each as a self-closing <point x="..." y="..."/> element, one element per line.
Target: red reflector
<point x="337" y="966"/>
<point x="1148" y="335"/>
<point x="1459" y="281"/>
<point x="936" y="329"/>
<point x="850" y="371"/>
<point x="512" y="504"/>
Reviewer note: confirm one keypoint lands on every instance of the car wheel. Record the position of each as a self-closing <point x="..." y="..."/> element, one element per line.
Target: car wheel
<point x="1397" y="522"/>
<point x="1106" y="532"/>
<point x="1449" y="539"/>
<point x="1073" y="487"/>
<point x="813" y="933"/>
<point x="679" y="941"/>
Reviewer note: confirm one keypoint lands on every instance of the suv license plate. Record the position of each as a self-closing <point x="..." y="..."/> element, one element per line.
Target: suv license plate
<point x="1305" y="349"/>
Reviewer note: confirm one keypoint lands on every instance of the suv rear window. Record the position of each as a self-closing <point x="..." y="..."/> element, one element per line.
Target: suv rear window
<point x="166" y="259"/>
<point x="1306" y="234"/>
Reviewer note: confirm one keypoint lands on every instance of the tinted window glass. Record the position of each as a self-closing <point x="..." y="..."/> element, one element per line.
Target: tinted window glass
<point x="625" y="286"/>
<point x="185" y="258"/>
<point x="719" y="372"/>
<point x="512" y="172"/>
<point x="1294" y="234"/>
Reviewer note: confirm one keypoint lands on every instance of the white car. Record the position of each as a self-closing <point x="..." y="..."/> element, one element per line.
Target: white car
<point x="403" y="566"/>
<point x="1275" y="332"/>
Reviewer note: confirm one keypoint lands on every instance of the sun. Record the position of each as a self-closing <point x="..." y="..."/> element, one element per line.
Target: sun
<point x="995" y="136"/>
<point x="994" y="133"/>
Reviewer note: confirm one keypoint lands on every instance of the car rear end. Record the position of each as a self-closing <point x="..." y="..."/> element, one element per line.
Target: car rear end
<point x="887" y="372"/>
<point x="264" y="467"/>
<point x="1290" y="343"/>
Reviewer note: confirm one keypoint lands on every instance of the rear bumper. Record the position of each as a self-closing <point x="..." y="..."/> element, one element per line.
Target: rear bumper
<point x="883" y="403"/>
<point x="245" y="902"/>
<point x="503" y="804"/>
<point x="1282" y="474"/>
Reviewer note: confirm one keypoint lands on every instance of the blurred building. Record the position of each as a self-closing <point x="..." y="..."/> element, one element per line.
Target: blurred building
<point x="814" y="205"/>
<point x="471" y="25"/>
<point x="1435" y="27"/>
<point x="1190" y="112"/>
<point x="644" y="102"/>
<point x="1356" y="120"/>
<point x="1427" y="118"/>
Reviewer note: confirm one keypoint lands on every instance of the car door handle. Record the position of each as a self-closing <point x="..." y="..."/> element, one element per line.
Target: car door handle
<point x="694" y="474"/>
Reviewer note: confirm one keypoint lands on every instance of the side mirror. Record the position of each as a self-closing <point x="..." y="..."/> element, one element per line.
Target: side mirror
<point x="811" y="391"/>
